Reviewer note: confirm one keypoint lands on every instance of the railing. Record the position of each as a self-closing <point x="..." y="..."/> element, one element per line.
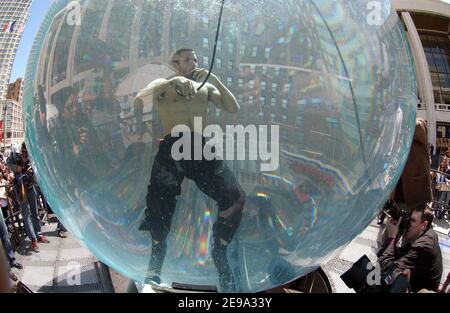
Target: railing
<point x="438" y="189"/>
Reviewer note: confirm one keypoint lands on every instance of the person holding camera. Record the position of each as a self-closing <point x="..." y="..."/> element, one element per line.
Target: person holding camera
<point x="414" y="252"/>
<point x="25" y="193"/>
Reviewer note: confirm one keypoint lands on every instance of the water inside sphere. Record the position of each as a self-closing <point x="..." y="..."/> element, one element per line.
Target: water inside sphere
<point x="319" y="97"/>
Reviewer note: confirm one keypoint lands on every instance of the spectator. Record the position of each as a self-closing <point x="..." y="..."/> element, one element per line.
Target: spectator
<point x="3" y="197"/>
<point x="25" y="193"/>
<point x="445" y="287"/>
<point x="414" y="189"/>
<point x="5" y="283"/>
<point x="417" y="254"/>
<point x="7" y="244"/>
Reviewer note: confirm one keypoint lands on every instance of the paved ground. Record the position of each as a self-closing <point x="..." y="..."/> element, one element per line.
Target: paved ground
<point x="62" y="266"/>
<point x="65" y="266"/>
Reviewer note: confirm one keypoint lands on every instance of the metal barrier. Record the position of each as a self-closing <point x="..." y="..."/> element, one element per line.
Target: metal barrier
<point x="441" y="195"/>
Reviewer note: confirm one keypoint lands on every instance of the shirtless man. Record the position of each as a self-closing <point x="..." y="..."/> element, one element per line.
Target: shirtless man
<point x="178" y="101"/>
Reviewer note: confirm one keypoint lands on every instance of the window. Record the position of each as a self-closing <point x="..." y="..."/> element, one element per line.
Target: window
<point x="205" y="43"/>
<point x="287" y="87"/>
<point x="272" y="117"/>
<point x="241" y="83"/>
<point x="267" y="53"/>
<point x="263" y="86"/>
<point x="274" y="87"/>
<point x="254" y="51"/>
<point x="251" y="84"/>
<point x="205" y="61"/>
<point x="285" y="103"/>
<point x="230" y="48"/>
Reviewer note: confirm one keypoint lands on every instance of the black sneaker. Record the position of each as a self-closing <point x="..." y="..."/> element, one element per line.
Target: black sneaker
<point x="17" y="265"/>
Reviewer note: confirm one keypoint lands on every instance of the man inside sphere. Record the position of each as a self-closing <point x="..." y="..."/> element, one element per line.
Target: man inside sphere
<point x="177" y="101"/>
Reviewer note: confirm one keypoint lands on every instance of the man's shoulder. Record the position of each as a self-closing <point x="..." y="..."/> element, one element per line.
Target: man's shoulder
<point x="429" y="240"/>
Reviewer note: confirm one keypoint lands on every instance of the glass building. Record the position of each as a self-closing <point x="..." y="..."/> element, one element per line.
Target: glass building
<point x="13" y="17"/>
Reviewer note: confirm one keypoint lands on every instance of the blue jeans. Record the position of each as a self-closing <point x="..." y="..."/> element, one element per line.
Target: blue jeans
<point x="29" y="209"/>
<point x="60" y="227"/>
<point x="5" y="241"/>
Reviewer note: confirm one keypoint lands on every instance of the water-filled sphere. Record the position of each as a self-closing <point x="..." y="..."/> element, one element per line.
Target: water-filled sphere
<point x="327" y="96"/>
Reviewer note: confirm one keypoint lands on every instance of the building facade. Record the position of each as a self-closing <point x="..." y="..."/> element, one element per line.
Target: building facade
<point x="13" y="17"/>
<point x="12" y="113"/>
<point x="15" y="90"/>
<point x="428" y="23"/>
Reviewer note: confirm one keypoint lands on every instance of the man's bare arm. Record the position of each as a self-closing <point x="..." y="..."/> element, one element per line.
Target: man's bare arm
<point x="218" y="93"/>
<point x="157" y="89"/>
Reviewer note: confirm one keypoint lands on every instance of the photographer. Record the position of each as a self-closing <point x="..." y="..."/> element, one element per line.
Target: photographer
<point x="413" y="252"/>
<point x="25" y="194"/>
<point x="413" y="190"/>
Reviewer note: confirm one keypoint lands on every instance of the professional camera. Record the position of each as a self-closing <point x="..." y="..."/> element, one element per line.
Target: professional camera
<point x="26" y="176"/>
<point x="359" y="277"/>
<point x="392" y="209"/>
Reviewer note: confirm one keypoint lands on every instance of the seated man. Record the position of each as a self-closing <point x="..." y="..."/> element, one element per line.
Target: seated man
<point x="178" y="101"/>
<point x="417" y="255"/>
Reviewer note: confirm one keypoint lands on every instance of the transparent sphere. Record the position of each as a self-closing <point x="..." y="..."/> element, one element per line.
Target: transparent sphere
<point x="322" y="97"/>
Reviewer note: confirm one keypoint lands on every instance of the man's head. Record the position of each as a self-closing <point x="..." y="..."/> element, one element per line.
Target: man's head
<point x="70" y="102"/>
<point x="421" y="221"/>
<point x="184" y="61"/>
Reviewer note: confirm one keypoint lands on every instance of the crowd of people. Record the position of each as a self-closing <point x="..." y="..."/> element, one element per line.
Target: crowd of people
<point x="410" y="250"/>
<point x="19" y="193"/>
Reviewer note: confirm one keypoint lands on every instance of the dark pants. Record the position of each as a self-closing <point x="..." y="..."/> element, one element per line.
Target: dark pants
<point x="4" y="235"/>
<point x="214" y="179"/>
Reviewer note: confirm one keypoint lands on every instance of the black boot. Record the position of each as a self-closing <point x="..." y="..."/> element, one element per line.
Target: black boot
<point x="226" y="279"/>
<point x="156" y="262"/>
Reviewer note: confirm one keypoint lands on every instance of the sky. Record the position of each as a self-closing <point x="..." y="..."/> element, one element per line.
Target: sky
<point x="38" y="10"/>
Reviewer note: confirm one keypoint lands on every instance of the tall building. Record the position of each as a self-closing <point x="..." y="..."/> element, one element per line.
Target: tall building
<point x="15" y="90"/>
<point x="13" y="128"/>
<point x="13" y="17"/>
<point x="427" y="23"/>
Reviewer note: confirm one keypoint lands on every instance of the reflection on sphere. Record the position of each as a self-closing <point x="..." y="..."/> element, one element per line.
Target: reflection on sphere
<point x="340" y="90"/>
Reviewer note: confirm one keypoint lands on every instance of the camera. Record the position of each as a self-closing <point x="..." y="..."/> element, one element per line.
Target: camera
<point x="357" y="278"/>
<point x="392" y="209"/>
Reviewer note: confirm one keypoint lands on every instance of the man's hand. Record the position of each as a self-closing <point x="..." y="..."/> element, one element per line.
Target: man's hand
<point x="83" y="134"/>
<point x="407" y="274"/>
<point x="184" y="87"/>
<point x="392" y="227"/>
